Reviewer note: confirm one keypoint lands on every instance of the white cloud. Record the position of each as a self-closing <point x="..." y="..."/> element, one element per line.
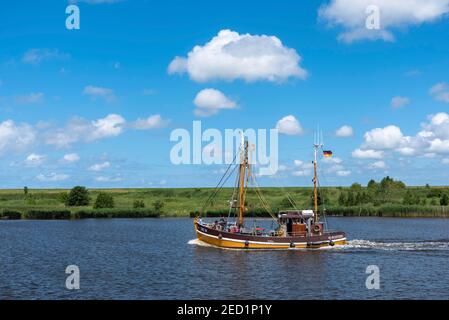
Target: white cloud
<point x="302" y="173"/>
<point x="298" y="163"/>
<point x="34" y="160"/>
<point x="333" y="160"/>
<point x="344" y="131"/>
<point x="398" y="102"/>
<point x="431" y="140"/>
<point x="39" y="55"/>
<point x="440" y="92"/>
<point x="367" y="154"/>
<point x="71" y="158"/>
<point x="383" y="138"/>
<point x="152" y="122"/>
<point x="230" y="56"/>
<point x="110" y="126"/>
<point x="16" y="137"/>
<point x="289" y="125"/>
<point x="32" y="98"/>
<point x="108" y="179"/>
<point x="52" y="177"/>
<point x="99" y="92"/>
<point x="445" y="161"/>
<point x="210" y="101"/>
<point x="343" y="173"/>
<point x="378" y="165"/>
<point x="350" y="15"/>
<point x="100" y="166"/>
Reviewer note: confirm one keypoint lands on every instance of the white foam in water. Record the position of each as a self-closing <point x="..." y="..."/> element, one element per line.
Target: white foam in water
<point x="375" y="245"/>
<point x="200" y="243"/>
<point x="406" y="246"/>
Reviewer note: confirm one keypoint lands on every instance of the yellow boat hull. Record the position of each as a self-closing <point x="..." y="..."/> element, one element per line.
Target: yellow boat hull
<point x="203" y="234"/>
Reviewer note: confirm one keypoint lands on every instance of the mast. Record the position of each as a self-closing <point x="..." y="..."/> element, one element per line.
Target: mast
<point x="242" y="174"/>
<point x="316" y="146"/>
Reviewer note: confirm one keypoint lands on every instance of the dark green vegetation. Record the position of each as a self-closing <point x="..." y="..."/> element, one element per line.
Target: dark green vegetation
<point x="387" y="198"/>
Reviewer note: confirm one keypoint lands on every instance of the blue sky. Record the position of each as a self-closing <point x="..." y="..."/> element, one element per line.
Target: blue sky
<point x="96" y="106"/>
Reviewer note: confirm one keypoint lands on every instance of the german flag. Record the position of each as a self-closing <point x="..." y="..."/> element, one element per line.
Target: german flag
<point x="327" y="153"/>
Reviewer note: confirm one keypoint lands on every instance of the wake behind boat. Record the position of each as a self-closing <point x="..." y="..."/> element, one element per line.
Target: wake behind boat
<point x="295" y="228"/>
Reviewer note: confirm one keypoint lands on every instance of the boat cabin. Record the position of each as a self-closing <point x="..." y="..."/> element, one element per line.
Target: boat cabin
<point x="298" y="223"/>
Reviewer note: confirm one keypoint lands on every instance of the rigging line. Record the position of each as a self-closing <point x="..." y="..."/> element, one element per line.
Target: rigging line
<point x="322" y="198"/>
<point x="233" y="196"/>
<point x="262" y="199"/>
<point x="218" y="187"/>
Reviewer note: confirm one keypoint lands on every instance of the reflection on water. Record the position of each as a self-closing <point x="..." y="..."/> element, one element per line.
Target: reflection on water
<point x="160" y="259"/>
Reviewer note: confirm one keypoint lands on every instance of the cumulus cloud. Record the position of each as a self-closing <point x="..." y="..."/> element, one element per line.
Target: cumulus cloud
<point x="351" y="15"/>
<point x="230" y="56"/>
<point x="71" y="158"/>
<point x="16" y="137"/>
<point x="344" y="132"/>
<point x="152" y="122"/>
<point x="210" y="101"/>
<point x="440" y="92"/>
<point x="378" y="165"/>
<point x="383" y="138"/>
<point x="367" y="154"/>
<point x="34" y="160"/>
<point x="343" y="173"/>
<point x="108" y="179"/>
<point x="431" y="140"/>
<point x="99" y="166"/>
<point x="20" y="138"/>
<point x="38" y="55"/>
<point x="100" y="93"/>
<point x="289" y="125"/>
<point x="398" y="102"/>
<point x="79" y="129"/>
<point x="52" y="177"/>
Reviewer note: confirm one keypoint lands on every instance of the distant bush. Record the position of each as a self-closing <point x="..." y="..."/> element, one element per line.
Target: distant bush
<point x="47" y="214"/>
<point x="104" y="200"/>
<point x="11" y="215"/>
<point x="256" y="213"/>
<point x="158" y="205"/>
<point x="138" y="204"/>
<point x="444" y="201"/>
<point x="114" y="213"/>
<point x="78" y="196"/>
<point x="63" y="197"/>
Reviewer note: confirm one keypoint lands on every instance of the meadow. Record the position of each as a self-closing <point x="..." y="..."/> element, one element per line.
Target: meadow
<point x="388" y="198"/>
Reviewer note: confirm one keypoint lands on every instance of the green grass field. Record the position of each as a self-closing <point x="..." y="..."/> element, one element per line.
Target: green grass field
<point x="377" y="200"/>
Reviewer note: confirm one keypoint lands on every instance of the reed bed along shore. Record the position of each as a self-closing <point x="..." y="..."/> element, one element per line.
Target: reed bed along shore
<point x="384" y="199"/>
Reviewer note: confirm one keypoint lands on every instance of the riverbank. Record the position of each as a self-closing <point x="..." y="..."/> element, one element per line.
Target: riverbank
<point x="185" y="202"/>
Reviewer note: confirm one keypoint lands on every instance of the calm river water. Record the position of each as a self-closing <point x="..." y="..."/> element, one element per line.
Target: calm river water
<point x="158" y="259"/>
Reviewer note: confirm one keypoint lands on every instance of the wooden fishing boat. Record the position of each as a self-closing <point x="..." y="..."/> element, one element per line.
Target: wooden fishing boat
<point x="295" y="228"/>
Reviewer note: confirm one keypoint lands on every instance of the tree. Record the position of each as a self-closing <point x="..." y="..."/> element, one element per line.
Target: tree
<point x="25" y="190"/>
<point x="78" y="196"/>
<point x="444" y="200"/>
<point x="158" y="205"/>
<point x="350" y="200"/>
<point x="138" y="204"/>
<point x="62" y="197"/>
<point x="286" y="203"/>
<point x="356" y="187"/>
<point x="104" y="200"/>
<point x="372" y="184"/>
<point x="342" y="199"/>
